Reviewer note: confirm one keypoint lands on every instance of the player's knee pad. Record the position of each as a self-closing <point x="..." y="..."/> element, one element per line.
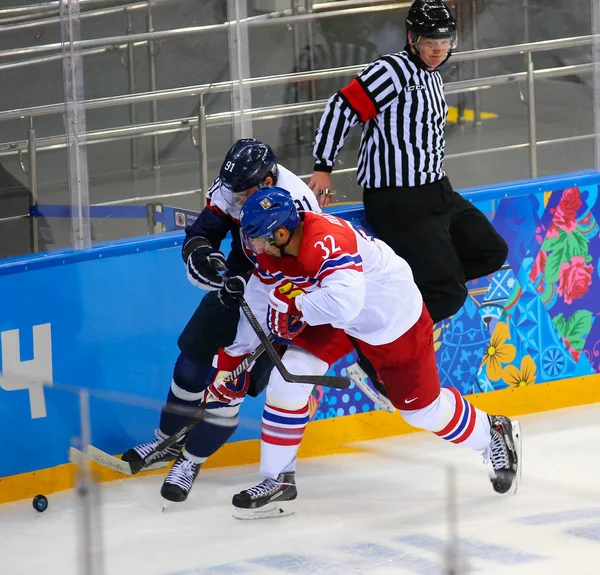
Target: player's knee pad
<point x="434" y="416"/>
<point x="189" y="379"/>
<point x="286" y="395"/>
<point x="213" y="431"/>
<point x="222" y="415"/>
<point x="186" y="392"/>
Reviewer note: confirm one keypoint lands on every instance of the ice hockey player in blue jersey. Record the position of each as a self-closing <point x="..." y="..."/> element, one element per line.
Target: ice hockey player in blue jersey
<point x="249" y="165"/>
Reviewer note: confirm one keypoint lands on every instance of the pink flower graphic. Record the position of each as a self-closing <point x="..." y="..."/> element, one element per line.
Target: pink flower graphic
<point x="565" y="213"/>
<point x="574" y="279"/>
<point x="539" y="265"/>
<point x="574" y="353"/>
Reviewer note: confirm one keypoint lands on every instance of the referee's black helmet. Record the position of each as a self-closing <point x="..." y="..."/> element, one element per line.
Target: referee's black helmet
<point x="431" y="19"/>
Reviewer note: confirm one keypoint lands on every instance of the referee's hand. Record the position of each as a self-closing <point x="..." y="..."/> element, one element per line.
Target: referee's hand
<point x="320" y="184"/>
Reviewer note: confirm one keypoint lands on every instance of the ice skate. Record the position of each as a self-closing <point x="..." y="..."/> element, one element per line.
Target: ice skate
<point x="163" y="458"/>
<point x="178" y="482"/>
<point x="504" y="453"/>
<point x="268" y="499"/>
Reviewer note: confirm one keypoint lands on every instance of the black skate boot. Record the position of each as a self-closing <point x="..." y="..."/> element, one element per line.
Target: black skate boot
<point x="178" y="482"/>
<point x="162" y="459"/>
<point x="263" y="501"/>
<point x="505" y="454"/>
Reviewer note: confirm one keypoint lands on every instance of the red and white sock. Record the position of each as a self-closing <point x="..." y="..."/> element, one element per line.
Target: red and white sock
<point x="285" y="415"/>
<point x="454" y="419"/>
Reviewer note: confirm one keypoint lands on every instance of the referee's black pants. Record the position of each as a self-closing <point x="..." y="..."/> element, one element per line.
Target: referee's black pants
<point x="444" y="238"/>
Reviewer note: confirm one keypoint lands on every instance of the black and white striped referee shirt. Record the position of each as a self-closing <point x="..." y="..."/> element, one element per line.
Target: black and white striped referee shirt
<point x="403" y="110"/>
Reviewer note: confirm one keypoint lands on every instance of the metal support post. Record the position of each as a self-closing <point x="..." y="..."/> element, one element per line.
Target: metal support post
<point x="476" y="96"/>
<point x="239" y="62"/>
<point x="461" y="66"/>
<point x="203" y="148"/>
<point x="34" y="230"/>
<point x="75" y="125"/>
<point x="152" y="76"/>
<point x="133" y="151"/>
<point x="531" y="116"/>
<point x="311" y="66"/>
<point x="596" y="79"/>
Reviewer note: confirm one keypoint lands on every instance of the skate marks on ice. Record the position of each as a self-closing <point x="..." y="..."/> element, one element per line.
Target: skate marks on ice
<point x="583" y="523"/>
<point x="419" y="554"/>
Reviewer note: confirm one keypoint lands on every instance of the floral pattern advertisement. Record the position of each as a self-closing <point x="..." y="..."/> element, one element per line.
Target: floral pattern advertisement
<point x="533" y="321"/>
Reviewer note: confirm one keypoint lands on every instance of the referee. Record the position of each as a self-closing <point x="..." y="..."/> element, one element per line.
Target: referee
<point x="409" y="202"/>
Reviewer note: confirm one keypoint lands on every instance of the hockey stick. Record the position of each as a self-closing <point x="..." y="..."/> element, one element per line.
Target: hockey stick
<point x="236" y="288"/>
<point x="133" y="467"/>
<point x="358" y="376"/>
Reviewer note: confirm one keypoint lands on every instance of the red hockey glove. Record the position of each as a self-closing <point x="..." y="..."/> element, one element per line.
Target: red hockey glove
<point x="223" y="365"/>
<point x="283" y="317"/>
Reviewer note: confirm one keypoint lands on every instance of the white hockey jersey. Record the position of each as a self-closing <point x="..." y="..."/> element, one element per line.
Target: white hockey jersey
<point x="352" y="281"/>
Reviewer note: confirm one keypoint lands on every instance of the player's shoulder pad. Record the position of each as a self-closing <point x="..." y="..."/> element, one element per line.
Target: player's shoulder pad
<point x="327" y="236"/>
<point x="303" y="196"/>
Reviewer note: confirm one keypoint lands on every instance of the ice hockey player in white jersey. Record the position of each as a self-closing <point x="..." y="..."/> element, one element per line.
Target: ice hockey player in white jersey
<point x="248" y="165"/>
<point x="328" y="283"/>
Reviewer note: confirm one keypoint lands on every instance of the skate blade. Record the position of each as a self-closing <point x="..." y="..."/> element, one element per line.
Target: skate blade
<point x="516" y="434"/>
<point x="166" y="504"/>
<point x="516" y="437"/>
<point x="270" y="511"/>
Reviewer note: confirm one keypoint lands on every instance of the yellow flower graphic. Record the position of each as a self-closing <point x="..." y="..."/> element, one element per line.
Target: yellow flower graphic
<point x="498" y="352"/>
<point x="437" y="333"/>
<point x="520" y="377"/>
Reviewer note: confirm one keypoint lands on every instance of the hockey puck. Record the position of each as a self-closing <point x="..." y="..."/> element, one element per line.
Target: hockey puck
<point x="40" y="503"/>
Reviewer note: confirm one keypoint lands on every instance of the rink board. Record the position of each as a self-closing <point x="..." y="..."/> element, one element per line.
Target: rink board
<point x="108" y="319"/>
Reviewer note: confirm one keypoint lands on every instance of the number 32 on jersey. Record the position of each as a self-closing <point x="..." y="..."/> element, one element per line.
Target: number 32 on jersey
<point x="328" y="246"/>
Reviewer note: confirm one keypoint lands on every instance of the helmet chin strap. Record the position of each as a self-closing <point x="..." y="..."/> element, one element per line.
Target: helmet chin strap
<point x="286" y="244"/>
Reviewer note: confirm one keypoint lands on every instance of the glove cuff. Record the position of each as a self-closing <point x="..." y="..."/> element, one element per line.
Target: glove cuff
<point x="194" y="243"/>
<point x="226" y="362"/>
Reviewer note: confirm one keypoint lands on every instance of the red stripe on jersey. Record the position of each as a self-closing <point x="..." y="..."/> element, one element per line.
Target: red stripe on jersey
<point x="328" y="272"/>
<point x="458" y="413"/>
<point x="359" y="100"/>
<point x="214" y="208"/>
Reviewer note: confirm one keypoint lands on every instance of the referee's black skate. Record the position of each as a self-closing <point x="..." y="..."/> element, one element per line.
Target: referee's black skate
<point x="504" y="453"/>
<point x="178" y="482"/>
<point x="163" y="458"/>
<point x="265" y="500"/>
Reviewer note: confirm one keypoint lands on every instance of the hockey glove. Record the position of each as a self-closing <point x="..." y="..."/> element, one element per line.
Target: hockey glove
<point x="200" y="258"/>
<point x="223" y="365"/>
<point x="227" y="297"/>
<point x="283" y="317"/>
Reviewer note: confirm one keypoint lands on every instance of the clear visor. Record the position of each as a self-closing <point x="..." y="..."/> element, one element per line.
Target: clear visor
<point x="260" y="244"/>
<point x="442" y="44"/>
<point x="236" y="199"/>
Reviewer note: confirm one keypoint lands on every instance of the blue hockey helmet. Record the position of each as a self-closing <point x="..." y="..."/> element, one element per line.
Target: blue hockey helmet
<point x="265" y="211"/>
<point x="247" y="164"/>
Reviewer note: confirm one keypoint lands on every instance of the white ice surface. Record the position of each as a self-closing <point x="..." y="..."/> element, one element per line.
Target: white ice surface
<point x="380" y="512"/>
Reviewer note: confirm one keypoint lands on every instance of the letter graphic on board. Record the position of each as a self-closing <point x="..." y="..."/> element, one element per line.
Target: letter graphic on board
<point x="38" y="369"/>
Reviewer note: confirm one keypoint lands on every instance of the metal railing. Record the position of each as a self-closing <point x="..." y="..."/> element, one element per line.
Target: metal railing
<point x="274" y="18"/>
<point x="203" y="121"/>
